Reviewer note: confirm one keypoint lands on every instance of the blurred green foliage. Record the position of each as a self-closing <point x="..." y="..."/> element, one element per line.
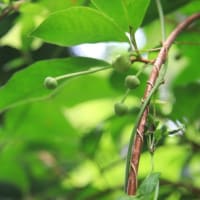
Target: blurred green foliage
<point x="67" y="143"/>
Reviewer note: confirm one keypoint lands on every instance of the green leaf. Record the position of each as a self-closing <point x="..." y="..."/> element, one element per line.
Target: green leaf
<point x="97" y="88"/>
<point x="149" y="184"/>
<point x="118" y="12"/>
<point x="126" y="13"/>
<point x="80" y="25"/>
<point x="137" y="10"/>
<point x="27" y="85"/>
<point x="59" y="5"/>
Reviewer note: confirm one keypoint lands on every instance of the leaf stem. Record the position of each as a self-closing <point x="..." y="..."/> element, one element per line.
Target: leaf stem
<point x="156" y="192"/>
<point x="152" y="161"/>
<point x="151" y="50"/>
<point x="90" y="71"/>
<point x="133" y="41"/>
<point x="162" y="20"/>
<point x="125" y="95"/>
<point x="141" y="70"/>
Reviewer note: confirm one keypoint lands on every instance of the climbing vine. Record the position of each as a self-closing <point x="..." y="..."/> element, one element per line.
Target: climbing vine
<point x="46" y="85"/>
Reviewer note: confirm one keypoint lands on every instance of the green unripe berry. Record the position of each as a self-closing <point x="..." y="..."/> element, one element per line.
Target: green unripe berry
<point x="132" y="82"/>
<point x="122" y="63"/>
<point x="120" y="109"/>
<point x="50" y="83"/>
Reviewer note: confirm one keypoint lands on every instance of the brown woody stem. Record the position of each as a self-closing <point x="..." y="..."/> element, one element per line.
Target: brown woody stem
<point x="140" y="59"/>
<point x="131" y="185"/>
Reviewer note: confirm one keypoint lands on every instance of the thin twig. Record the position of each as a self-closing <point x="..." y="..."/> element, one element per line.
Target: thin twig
<point x="162" y="21"/>
<point x="150" y="50"/>
<point x="80" y="73"/>
<point x="140" y="59"/>
<point x="136" y="145"/>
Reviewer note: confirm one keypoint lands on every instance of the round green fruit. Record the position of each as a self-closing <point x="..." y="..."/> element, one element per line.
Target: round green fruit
<point x="120" y="109"/>
<point x="122" y="63"/>
<point x="132" y="82"/>
<point x="50" y="83"/>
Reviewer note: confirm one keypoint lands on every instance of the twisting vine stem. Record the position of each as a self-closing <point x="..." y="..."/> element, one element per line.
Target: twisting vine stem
<point x="151" y="136"/>
<point x="155" y="79"/>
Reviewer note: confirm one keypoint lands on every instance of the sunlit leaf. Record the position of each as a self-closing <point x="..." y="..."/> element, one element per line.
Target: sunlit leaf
<point x="136" y="11"/>
<point x="125" y="13"/>
<point x="81" y="25"/>
<point x="27" y="85"/>
<point x="59" y="5"/>
<point x="149" y="184"/>
<point x="118" y="12"/>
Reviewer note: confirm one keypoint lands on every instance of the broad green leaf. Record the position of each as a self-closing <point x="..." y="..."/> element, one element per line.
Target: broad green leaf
<point x="97" y="88"/>
<point x="27" y="85"/>
<point x="59" y="5"/>
<point x="126" y="13"/>
<point x="136" y="11"/>
<point x="149" y="184"/>
<point x="80" y="25"/>
<point x="116" y="10"/>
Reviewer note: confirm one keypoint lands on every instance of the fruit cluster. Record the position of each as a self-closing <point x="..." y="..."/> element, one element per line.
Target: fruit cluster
<point x="122" y="64"/>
